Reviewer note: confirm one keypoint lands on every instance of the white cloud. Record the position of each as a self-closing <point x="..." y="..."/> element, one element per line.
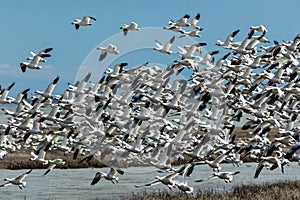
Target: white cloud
<point x="9" y="70"/>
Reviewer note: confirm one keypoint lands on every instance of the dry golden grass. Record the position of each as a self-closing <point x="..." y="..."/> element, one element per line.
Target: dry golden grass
<point x="282" y="190"/>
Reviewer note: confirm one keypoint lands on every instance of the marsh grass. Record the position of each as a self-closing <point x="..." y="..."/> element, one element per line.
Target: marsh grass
<point x="281" y="190"/>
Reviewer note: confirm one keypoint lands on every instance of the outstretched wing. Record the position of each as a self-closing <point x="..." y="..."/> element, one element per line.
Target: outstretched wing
<point x="210" y="177"/>
<point x="158" y="44"/>
<point x="169" y="43"/>
<point x="155" y="182"/>
<point x="97" y="178"/>
<point x="231" y="36"/>
<point x="259" y="168"/>
<point x="93" y="18"/>
<point x="45" y="51"/>
<point x="125" y="31"/>
<point x="51" y="86"/>
<point x="5" y="184"/>
<point x="22" y="176"/>
<point x="102" y="55"/>
<point x="195" y="20"/>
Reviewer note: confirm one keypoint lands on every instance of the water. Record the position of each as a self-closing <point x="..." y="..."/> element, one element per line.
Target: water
<point x="75" y="183"/>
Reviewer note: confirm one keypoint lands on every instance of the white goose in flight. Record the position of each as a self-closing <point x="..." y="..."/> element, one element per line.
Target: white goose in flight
<point x="4" y="93"/>
<point x="164" y="48"/>
<point x="39" y="156"/>
<point x="268" y="162"/>
<point x="183" y="185"/>
<point x="166" y="180"/>
<point x="110" y="49"/>
<point x="193" y="33"/>
<point x="53" y="163"/>
<point x="182" y="22"/>
<point x="176" y="29"/>
<point x="16" y="181"/>
<point x="34" y="64"/>
<point x="84" y="22"/>
<point x="42" y="52"/>
<point x="48" y="92"/>
<point x="228" y="44"/>
<point x="215" y="164"/>
<point x="133" y="26"/>
<point x="111" y="176"/>
<point x="260" y="28"/>
<point x="188" y="52"/>
<point x="194" y="21"/>
<point x="21" y="95"/>
<point x="227" y="176"/>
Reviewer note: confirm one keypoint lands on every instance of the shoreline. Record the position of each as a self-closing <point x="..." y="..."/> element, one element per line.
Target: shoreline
<point x="279" y="190"/>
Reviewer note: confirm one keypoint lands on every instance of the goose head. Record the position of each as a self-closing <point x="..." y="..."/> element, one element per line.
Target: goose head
<point x="23" y="64"/>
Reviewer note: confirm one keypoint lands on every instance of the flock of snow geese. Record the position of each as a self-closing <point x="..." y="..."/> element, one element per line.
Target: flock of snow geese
<point x="148" y="116"/>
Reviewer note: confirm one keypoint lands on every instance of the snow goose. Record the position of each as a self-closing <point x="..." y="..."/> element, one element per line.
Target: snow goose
<point x="207" y="59"/>
<point x="110" y="49"/>
<point x="292" y="46"/>
<point x="182" y="22"/>
<point x="4" y="138"/>
<point x="133" y="26"/>
<point x="176" y="29"/>
<point x="48" y="92"/>
<point x="26" y="124"/>
<point x="39" y="155"/>
<point x="268" y="162"/>
<point x="164" y="48"/>
<point x="292" y="150"/>
<point x="188" y="52"/>
<point x="111" y="176"/>
<point x="227" y="176"/>
<point x="166" y="180"/>
<point x="21" y="95"/>
<point x="194" y="21"/>
<point x="84" y="22"/>
<point x="259" y="28"/>
<point x="80" y="88"/>
<point x="4" y="93"/>
<point x="53" y="115"/>
<point x="227" y="44"/>
<point x="193" y="33"/>
<point x="42" y="52"/>
<point x="34" y="64"/>
<point x="256" y="40"/>
<point x="179" y="65"/>
<point x="3" y="153"/>
<point x="215" y="164"/>
<point x="53" y="163"/>
<point x="241" y="49"/>
<point x="16" y="181"/>
<point x="183" y="186"/>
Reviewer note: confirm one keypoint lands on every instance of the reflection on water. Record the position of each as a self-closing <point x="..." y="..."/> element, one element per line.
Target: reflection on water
<point x="75" y="183"/>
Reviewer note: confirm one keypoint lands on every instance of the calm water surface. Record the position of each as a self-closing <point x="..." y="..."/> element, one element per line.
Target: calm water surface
<point x="75" y="183"/>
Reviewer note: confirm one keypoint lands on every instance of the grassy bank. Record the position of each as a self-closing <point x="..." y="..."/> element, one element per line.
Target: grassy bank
<point x="21" y="160"/>
<point x="281" y="190"/>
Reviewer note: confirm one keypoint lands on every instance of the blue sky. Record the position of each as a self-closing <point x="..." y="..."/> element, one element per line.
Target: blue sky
<point x="33" y="25"/>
